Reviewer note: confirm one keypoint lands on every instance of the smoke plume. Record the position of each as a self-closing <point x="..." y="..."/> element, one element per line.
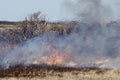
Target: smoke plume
<point x="92" y="11"/>
<point x="84" y="43"/>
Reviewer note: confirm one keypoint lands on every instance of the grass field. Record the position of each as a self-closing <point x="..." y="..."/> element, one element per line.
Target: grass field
<point x="57" y="73"/>
<point x="50" y="73"/>
<point x="91" y="75"/>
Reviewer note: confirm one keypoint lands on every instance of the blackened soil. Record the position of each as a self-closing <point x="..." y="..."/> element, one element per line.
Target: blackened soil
<point x="42" y="71"/>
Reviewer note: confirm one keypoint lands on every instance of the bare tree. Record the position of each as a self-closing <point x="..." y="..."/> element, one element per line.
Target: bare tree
<point x="34" y="25"/>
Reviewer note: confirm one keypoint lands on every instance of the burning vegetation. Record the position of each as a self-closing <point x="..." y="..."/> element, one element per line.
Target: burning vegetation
<point x="77" y="49"/>
<point x="87" y="47"/>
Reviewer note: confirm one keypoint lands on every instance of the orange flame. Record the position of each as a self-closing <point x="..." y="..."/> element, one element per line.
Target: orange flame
<point x="56" y="58"/>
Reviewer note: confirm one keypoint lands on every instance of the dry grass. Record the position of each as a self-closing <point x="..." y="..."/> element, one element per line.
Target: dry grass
<point x="75" y="75"/>
<point x="57" y="73"/>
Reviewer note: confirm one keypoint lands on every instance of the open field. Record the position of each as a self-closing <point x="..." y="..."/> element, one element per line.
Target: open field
<point x="14" y="35"/>
<point x="58" y="73"/>
<point x="17" y="32"/>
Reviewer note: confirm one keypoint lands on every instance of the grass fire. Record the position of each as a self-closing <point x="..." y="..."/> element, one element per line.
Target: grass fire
<point x="86" y="47"/>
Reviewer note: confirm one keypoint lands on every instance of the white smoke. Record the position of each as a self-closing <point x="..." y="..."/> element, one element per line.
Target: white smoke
<point x="85" y="42"/>
<point x="92" y="11"/>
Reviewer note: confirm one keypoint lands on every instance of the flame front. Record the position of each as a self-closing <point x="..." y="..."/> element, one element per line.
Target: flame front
<point x="63" y="59"/>
<point x="56" y="58"/>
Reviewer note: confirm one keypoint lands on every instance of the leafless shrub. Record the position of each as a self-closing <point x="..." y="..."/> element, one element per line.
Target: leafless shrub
<point x="34" y="25"/>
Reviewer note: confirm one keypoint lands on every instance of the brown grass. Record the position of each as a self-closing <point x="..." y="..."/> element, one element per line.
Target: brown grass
<point x="57" y="73"/>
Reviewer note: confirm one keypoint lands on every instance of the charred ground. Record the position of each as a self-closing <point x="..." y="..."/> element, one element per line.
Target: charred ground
<point x="44" y="71"/>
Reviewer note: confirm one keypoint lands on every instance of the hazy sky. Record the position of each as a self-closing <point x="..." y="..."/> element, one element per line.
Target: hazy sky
<point x="13" y="10"/>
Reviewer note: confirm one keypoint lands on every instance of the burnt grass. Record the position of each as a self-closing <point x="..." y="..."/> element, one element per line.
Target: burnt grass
<point x="43" y="71"/>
